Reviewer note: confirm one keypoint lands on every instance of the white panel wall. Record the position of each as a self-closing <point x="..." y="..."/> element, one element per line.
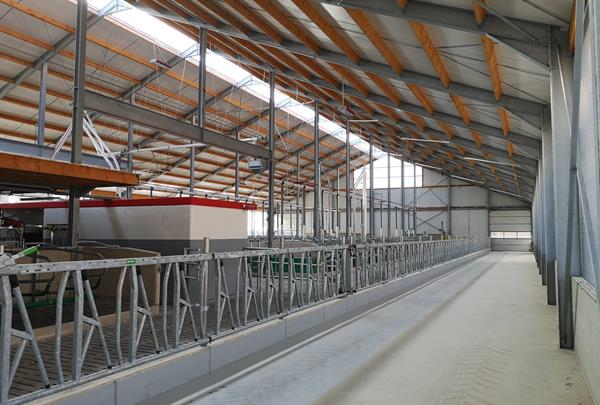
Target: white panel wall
<point x="175" y="222"/>
<point x="469" y="203"/>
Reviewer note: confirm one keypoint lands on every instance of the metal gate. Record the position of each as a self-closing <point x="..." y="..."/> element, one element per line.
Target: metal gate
<point x="510" y="230"/>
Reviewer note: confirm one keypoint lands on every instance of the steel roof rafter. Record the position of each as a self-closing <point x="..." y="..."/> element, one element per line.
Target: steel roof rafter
<point x="525" y="109"/>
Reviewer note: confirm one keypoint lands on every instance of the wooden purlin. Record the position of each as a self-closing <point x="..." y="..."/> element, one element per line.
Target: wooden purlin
<point x="489" y="51"/>
<point x="479" y="12"/>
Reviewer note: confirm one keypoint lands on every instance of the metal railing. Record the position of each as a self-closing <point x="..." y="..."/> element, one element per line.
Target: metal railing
<point x="202" y="297"/>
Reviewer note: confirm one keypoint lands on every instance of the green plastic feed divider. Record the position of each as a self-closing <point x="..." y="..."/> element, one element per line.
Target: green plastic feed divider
<point x="298" y="267"/>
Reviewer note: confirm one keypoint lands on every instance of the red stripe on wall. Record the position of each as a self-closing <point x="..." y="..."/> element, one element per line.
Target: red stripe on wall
<point x="150" y="202"/>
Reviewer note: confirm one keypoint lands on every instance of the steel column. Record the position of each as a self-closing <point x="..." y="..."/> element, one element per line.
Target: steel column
<point x="78" y="113"/>
<point x="415" y="198"/>
<point x="270" y="219"/>
<point x="402" y="200"/>
<point x="317" y="178"/>
<point x="130" y="128"/>
<point x="237" y="170"/>
<point x="449" y="205"/>
<point x="338" y="214"/>
<point x="561" y="88"/>
<point x="371" y="189"/>
<point x="41" y="129"/>
<point x="297" y="196"/>
<point x="201" y="102"/>
<point x="389" y="194"/>
<point x="349" y="236"/>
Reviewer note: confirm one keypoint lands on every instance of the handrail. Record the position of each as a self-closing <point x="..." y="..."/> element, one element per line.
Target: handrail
<point x="245" y="288"/>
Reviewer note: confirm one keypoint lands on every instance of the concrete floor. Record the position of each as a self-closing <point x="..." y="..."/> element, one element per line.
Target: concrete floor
<point x="481" y="335"/>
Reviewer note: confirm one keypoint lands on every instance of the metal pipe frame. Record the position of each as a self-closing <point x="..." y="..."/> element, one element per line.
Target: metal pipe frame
<point x="271" y="163"/>
<point x="78" y="113"/>
<point x="317" y="225"/>
<point x="249" y="288"/>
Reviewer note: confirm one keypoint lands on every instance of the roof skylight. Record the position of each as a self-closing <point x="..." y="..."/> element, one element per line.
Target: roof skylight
<point x="176" y="42"/>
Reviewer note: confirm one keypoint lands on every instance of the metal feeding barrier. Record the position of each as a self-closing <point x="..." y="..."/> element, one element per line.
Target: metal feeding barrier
<point x="202" y="297"/>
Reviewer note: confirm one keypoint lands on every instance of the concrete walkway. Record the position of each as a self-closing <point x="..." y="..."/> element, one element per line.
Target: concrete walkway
<point x="481" y="335"/>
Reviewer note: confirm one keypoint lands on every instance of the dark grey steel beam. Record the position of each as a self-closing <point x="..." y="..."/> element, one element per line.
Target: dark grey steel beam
<point x="143" y="117"/>
<point x="31" y="149"/>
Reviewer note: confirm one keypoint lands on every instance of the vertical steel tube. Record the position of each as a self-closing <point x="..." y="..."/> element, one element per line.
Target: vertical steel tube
<point x="389" y="193"/>
<point x="317" y="168"/>
<point x="415" y="198"/>
<point x="298" y="196"/>
<point x="130" y="146"/>
<point x="332" y="208"/>
<point x="338" y="214"/>
<point x="449" y="205"/>
<point x="41" y="129"/>
<point x="371" y="189"/>
<point x="237" y="169"/>
<point x="201" y="101"/>
<point x="78" y="113"/>
<point x="303" y="210"/>
<point x="402" y="200"/>
<point x="270" y="217"/>
<point x="348" y="212"/>
<point x="281" y="218"/>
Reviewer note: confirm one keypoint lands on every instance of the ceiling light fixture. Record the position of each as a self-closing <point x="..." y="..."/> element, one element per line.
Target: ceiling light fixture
<point x="467" y="179"/>
<point x="423" y="140"/>
<point x="507" y="192"/>
<point x="491" y="161"/>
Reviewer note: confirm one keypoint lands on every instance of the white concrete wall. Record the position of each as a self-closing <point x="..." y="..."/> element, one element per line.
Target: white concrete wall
<point x="217" y="223"/>
<point x="587" y="332"/>
<point x="173" y="222"/>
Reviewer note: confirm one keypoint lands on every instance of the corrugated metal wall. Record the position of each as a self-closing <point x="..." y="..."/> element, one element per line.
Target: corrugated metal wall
<point x="508" y="222"/>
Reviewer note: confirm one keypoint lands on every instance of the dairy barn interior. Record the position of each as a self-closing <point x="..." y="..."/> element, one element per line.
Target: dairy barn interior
<point x="299" y="201"/>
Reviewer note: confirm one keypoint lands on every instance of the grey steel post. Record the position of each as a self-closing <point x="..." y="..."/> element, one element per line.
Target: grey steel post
<point x="561" y="75"/>
<point x="270" y="218"/>
<point x="332" y="207"/>
<point x="303" y="210"/>
<point x="41" y="130"/>
<point x="572" y="246"/>
<point x="201" y="101"/>
<point x="237" y="169"/>
<point x="548" y="179"/>
<point x="389" y="193"/>
<point x="371" y="189"/>
<point x="402" y="202"/>
<point x="78" y="113"/>
<point x="317" y="169"/>
<point x="130" y="146"/>
<point x="449" y="205"/>
<point x="349" y="266"/>
<point x="281" y="218"/>
<point x="298" y="196"/>
<point x="338" y="213"/>
<point x="415" y="197"/>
